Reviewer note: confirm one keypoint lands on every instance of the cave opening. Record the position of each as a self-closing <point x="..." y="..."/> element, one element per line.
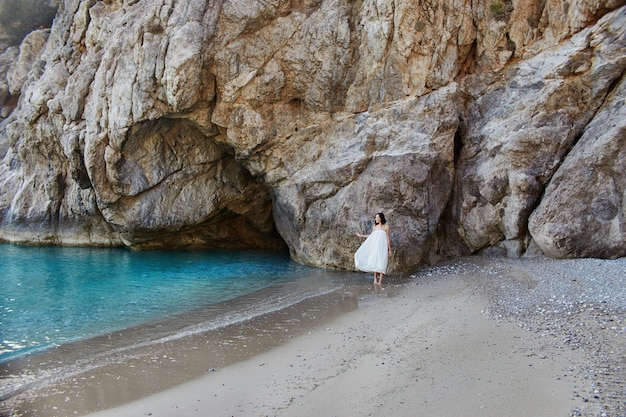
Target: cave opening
<point x="191" y="192"/>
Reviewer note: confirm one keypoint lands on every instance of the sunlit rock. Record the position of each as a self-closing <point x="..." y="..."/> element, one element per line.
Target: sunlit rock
<point x="261" y="124"/>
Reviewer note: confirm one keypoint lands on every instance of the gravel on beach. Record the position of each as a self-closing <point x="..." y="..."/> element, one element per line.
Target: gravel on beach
<point x="571" y="304"/>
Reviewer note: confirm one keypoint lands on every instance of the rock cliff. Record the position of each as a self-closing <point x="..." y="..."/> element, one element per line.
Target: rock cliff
<point x="489" y="125"/>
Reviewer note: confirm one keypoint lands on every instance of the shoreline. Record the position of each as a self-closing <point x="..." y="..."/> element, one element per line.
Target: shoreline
<point x="119" y="367"/>
<point x="476" y="336"/>
<point x="458" y="339"/>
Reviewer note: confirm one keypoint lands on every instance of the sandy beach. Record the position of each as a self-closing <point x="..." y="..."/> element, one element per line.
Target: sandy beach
<point x="476" y="337"/>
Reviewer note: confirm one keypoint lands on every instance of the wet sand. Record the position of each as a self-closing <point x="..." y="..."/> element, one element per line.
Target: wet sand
<point x="113" y="369"/>
<point x="474" y="337"/>
<point x="429" y="351"/>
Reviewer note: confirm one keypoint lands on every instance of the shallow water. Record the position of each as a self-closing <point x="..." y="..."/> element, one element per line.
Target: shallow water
<point x="75" y="320"/>
<point x="52" y="296"/>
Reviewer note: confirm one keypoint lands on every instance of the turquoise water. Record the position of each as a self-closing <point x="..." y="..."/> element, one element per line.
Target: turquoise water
<point x="51" y="296"/>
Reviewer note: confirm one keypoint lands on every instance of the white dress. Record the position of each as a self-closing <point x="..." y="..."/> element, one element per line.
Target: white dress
<point x="372" y="254"/>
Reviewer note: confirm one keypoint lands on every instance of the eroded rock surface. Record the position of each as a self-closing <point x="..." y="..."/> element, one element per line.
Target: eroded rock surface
<point x="258" y="124"/>
<point x="529" y="118"/>
<point x="572" y="222"/>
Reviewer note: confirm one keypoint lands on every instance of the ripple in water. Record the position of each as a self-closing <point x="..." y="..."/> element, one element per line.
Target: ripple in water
<point x="53" y="296"/>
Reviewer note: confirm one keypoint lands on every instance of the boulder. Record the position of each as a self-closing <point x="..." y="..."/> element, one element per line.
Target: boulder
<point x="570" y="221"/>
<point x="518" y="128"/>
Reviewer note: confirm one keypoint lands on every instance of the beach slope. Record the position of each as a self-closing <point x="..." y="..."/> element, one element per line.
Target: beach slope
<point x="476" y="337"/>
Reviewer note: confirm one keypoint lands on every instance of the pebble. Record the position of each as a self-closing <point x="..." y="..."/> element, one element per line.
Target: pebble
<point x="580" y="303"/>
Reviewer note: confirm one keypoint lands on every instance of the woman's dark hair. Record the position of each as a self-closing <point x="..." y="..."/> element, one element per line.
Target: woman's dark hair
<point x="382" y="218"/>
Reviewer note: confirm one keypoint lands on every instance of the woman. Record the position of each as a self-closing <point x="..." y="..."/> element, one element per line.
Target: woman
<point x="373" y="253"/>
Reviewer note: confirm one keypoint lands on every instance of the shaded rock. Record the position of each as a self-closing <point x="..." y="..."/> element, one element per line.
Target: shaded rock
<point x="518" y="128"/>
<point x="571" y="222"/>
<point x="7" y="102"/>
<point x="30" y="49"/>
<point x="166" y="178"/>
<point x="19" y="17"/>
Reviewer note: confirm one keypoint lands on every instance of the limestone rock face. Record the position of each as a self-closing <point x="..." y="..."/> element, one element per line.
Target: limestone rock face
<point x="572" y="222"/>
<point x="357" y="158"/>
<point x="519" y="128"/>
<point x="232" y="123"/>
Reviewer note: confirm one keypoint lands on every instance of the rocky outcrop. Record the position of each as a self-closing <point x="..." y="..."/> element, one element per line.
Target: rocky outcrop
<point x="258" y="124"/>
<point x="357" y="158"/>
<point x="531" y="115"/>
<point x="573" y="222"/>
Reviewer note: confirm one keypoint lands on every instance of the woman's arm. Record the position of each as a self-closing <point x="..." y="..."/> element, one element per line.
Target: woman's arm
<point x="388" y="241"/>
<point x="365" y="236"/>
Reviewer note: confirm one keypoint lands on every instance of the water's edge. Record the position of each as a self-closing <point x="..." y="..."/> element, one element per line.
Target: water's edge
<point x="122" y="366"/>
<point x="55" y="296"/>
